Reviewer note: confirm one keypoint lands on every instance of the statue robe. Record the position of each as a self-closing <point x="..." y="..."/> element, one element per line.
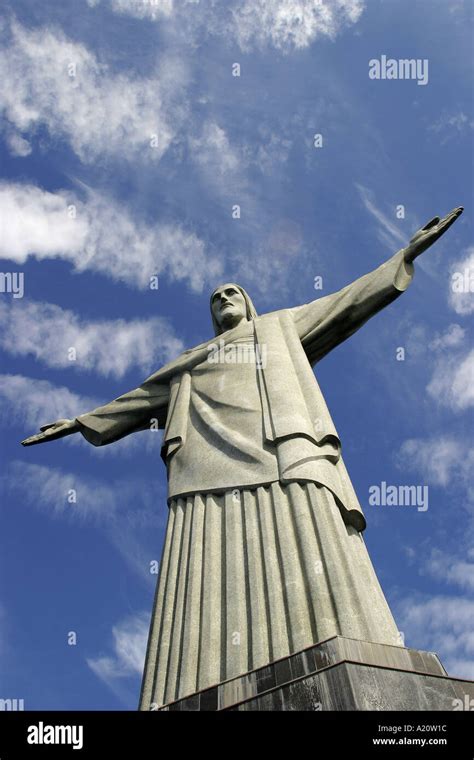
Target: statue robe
<point x="257" y="562"/>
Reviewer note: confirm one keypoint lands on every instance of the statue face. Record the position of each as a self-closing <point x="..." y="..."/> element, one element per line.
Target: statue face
<point x="228" y="306"/>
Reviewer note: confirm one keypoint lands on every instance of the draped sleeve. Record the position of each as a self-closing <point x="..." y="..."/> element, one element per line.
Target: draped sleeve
<point x="326" y="322"/>
<point x="133" y="411"/>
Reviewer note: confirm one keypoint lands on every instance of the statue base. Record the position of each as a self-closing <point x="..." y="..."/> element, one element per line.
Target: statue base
<point x="340" y="674"/>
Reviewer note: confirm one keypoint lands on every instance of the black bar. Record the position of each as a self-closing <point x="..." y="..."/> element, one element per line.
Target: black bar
<point x="155" y="735"/>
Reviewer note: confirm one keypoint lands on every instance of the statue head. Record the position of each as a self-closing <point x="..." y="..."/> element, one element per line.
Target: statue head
<point x="230" y="304"/>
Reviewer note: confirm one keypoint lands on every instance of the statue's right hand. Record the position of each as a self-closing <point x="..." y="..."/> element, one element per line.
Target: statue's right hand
<point x="52" y="431"/>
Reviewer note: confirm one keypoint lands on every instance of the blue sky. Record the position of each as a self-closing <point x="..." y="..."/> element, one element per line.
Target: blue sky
<point x="125" y="143"/>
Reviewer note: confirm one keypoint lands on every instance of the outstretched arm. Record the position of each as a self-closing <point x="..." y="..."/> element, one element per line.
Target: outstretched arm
<point x="127" y="414"/>
<point x="326" y="322"/>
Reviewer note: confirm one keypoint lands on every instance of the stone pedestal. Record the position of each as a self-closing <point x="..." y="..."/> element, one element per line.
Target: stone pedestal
<point x="340" y="674"/>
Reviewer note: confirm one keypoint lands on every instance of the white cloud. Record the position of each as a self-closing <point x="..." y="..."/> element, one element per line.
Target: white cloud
<point x="49" y="489"/>
<point x="291" y="24"/>
<point x="452" y="383"/>
<point x="37" y="402"/>
<point x="126" y="511"/>
<point x="451" y="569"/>
<point x="283" y="24"/>
<point x="389" y="233"/>
<point x="393" y="232"/>
<point x="273" y="150"/>
<point x="213" y="150"/>
<point x="451" y="125"/>
<point x="31" y="403"/>
<point x="36" y="222"/>
<point x="461" y="292"/>
<point x="451" y="338"/>
<point x="441" y="624"/>
<point x="151" y="9"/>
<point x="99" y="235"/>
<point x="127" y="659"/>
<point x="47" y="79"/>
<point x="451" y="365"/>
<point x="129" y="648"/>
<point x="223" y="164"/>
<point x="277" y="243"/>
<point x="416" y="338"/>
<point x="18" y="145"/>
<point x="108" y="347"/>
<point x="441" y="460"/>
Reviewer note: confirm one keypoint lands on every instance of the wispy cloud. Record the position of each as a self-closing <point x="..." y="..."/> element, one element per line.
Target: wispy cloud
<point x="388" y="232"/>
<point x="452" y="569"/>
<point x="145" y="9"/>
<point x="129" y="645"/>
<point x="48" y="79"/>
<point x="452" y="337"/>
<point x="129" y="639"/>
<point x="98" y="234"/>
<point x="441" y="624"/>
<point x="54" y="492"/>
<point x="213" y="152"/>
<point x="126" y="512"/>
<point x="18" y="145"/>
<point x="285" y="25"/>
<point x="448" y="359"/>
<point x="31" y="402"/>
<point x="442" y="461"/>
<point x="396" y="234"/>
<point x="452" y="383"/>
<point x="292" y="24"/>
<point x="450" y="126"/>
<point x="37" y="402"/>
<point x="59" y="338"/>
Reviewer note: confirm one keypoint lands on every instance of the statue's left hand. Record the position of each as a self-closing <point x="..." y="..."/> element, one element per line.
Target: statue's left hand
<point x="422" y="239"/>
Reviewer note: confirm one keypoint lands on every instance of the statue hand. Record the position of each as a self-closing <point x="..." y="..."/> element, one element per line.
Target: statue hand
<point x="53" y="430"/>
<point x="422" y="239"/>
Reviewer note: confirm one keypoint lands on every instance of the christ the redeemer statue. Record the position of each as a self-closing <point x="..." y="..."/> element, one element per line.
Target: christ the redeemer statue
<point x="263" y="554"/>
